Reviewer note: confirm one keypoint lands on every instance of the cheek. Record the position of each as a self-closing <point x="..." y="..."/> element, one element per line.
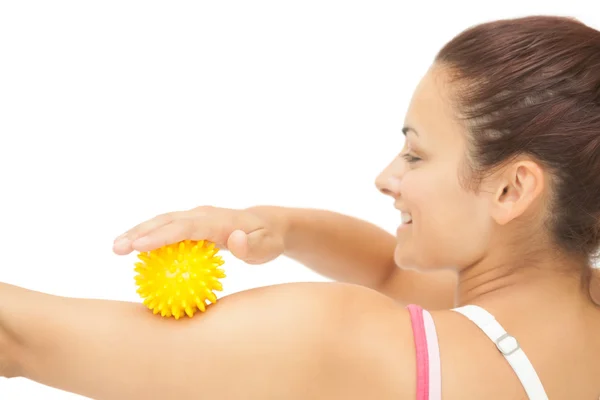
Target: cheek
<point x="448" y="227"/>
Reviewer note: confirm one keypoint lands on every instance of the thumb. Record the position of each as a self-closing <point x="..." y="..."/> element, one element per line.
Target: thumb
<point x="237" y="244"/>
<point x="256" y="247"/>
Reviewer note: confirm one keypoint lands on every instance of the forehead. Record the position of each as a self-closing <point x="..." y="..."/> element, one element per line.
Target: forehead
<point x="431" y="112"/>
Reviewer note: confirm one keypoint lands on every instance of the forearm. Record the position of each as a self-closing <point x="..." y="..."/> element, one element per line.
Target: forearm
<point x="351" y="250"/>
<point x="338" y="246"/>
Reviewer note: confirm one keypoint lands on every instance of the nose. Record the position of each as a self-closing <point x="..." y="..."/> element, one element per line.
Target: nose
<point x="389" y="180"/>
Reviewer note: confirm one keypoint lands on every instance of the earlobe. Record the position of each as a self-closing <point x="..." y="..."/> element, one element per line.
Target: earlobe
<point x="518" y="187"/>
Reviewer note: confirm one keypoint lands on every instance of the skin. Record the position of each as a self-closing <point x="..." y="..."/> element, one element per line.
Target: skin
<point x="341" y="340"/>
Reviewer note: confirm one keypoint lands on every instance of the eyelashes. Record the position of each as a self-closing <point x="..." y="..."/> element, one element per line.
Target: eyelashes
<point x="410" y="158"/>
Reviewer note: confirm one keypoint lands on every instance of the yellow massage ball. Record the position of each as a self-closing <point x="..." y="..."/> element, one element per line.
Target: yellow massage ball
<point x="177" y="279"/>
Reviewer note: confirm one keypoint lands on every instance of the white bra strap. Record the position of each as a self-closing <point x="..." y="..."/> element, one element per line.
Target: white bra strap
<point x="509" y="347"/>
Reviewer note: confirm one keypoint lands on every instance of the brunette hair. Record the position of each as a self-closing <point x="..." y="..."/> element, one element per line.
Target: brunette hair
<point x="531" y="86"/>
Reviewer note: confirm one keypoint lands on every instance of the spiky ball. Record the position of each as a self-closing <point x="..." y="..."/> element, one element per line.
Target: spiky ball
<point x="177" y="279"/>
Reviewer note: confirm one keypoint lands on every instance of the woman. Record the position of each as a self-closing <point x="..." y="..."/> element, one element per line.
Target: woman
<point x="498" y="191"/>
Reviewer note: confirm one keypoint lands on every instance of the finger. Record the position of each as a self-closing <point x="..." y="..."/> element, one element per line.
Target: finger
<point x="122" y="247"/>
<point x="149" y="225"/>
<point x="122" y="244"/>
<point x="237" y="244"/>
<point x="262" y="247"/>
<point x="164" y="235"/>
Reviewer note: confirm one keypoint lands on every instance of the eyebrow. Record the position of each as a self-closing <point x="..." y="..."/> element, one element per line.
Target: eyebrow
<point x="407" y="129"/>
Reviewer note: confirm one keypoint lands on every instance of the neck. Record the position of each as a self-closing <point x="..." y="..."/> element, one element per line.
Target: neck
<point x="547" y="280"/>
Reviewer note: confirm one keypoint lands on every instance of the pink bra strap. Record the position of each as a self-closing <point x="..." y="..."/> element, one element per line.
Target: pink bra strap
<point x="428" y="356"/>
<point x="418" y="327"/>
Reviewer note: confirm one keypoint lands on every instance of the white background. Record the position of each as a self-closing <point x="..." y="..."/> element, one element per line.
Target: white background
<point x="114" y="111"/>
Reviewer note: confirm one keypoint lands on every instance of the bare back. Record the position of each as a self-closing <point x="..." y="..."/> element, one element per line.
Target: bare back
<point x="564" y="352"/>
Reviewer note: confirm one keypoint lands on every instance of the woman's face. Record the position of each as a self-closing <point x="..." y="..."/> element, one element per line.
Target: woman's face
<point x="443" y="224"/>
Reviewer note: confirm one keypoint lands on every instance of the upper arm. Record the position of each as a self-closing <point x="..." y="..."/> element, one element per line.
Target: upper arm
<point x="299" y="341"/>
<point x="290" y="341"/>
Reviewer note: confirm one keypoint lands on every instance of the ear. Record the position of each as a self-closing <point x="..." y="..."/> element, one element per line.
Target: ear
<point x="518" y="187"/>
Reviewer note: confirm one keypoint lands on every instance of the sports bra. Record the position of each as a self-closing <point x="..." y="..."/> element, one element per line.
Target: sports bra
<point x="429" y="377"/>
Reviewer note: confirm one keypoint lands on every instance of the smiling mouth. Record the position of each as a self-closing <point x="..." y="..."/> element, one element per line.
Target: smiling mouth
<point x="406" y="218"/>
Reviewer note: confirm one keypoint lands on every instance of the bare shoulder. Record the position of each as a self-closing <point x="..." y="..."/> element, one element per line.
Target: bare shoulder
<point x="318" y="341"/>
<point x="341" y="341"/>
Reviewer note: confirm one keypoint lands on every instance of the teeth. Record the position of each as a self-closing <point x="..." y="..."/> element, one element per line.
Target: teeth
<point x="406" y="218"/>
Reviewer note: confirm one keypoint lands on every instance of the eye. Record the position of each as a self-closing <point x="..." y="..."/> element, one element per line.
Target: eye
<point x="410" y="158"/>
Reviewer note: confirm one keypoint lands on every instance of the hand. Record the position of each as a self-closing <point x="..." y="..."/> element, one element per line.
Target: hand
<point x="254" y="235"/>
